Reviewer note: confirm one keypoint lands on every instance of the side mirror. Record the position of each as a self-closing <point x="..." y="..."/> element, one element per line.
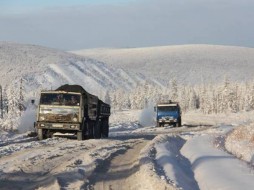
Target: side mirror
<point x="154" y="109"/>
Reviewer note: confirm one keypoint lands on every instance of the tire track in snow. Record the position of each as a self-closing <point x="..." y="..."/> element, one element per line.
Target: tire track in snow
<point x="64" y="164"/>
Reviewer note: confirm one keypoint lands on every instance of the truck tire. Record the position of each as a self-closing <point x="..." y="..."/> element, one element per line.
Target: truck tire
<point x="40" y="134"/>
<point x="180" y="122"/>
<point x="105" y="131"/>
<point x="104" y="128"/>
<point x="160" y="124"/>
<point x="80" y="135"/>
<point x="97" y="130"/>
<point x="91" y="129"/>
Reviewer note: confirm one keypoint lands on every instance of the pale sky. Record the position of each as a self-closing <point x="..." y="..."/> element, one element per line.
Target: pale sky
<point x="80" y="24"/>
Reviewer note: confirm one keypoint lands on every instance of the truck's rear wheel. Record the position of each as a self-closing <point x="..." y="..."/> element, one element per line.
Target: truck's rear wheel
<point x="90" y="129"/>
<point x="97" y="130"/>
<point x="104" y="128"/>
<point x="40" y="134"/>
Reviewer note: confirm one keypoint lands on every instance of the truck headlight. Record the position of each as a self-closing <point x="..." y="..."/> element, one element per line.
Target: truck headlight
<point x="75" y="119"/>
<point x="73" y="126"/>
<point x="42" y="118"/>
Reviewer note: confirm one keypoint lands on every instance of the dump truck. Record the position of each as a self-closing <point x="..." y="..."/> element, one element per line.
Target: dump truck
<point x="71" y="111"/>
<point x="168" y="113"/>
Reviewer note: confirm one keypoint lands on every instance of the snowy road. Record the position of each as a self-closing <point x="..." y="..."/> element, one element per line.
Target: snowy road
<point x="133" y="157"/>
<point x="55" y="163"/>
<point x="121" y="172"/>
<point x="59" y="163"/>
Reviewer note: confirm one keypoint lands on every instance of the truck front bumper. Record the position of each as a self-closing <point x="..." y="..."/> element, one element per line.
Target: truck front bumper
<point x="167" y="121"/>
<point x="58" y="126"/>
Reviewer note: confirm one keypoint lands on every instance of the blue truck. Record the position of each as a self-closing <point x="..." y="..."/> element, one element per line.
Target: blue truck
<point x="168" y="113"/>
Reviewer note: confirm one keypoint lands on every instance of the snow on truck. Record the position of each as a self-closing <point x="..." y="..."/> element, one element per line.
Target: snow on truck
<point x="168" y="113"/>
<point x="70" y="110"/>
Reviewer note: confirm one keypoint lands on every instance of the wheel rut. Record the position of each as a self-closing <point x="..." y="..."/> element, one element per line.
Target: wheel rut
<point x="120" y="173"/>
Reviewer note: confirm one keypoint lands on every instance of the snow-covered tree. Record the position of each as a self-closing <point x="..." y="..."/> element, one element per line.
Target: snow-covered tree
<point x="174" y="90"/>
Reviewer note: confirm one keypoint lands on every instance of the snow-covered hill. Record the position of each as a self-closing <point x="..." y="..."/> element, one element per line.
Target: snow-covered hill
<point x="102" y="69"/>
<point x="45" y="68"/>
<point x="187" y="63"/>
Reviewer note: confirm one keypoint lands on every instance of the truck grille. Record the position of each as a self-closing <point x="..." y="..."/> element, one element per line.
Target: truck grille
<point x="58" y="118"/>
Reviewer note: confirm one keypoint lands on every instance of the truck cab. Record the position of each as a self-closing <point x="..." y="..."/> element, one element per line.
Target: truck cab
<point x="168" y="113"/>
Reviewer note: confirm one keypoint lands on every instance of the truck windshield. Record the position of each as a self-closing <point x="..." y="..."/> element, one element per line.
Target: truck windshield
<point x="167" y="108"/>
<point x="60" y="99"/>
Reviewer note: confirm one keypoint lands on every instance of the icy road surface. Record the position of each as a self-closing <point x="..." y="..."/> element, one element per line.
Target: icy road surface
<point x="133" y="157"/>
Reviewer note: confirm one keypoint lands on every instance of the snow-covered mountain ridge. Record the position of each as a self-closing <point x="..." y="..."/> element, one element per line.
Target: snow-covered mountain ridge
<point x="109" y="69"/>
<point x="45" y="68"/>
<point x="189" y="64"/>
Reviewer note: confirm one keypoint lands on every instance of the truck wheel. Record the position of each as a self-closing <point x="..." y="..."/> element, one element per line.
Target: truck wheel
<point x="91" y="126"/>
<point x="80" y="136"/>
<point x="97" y="130"/>
<point x="40" y="134"/>
<point x="104" y="128"/>
<point x="180" y="122"/>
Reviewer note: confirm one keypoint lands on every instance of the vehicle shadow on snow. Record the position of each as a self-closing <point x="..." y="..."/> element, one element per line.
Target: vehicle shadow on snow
<point x="23" y="180"/>
<point x="196" y="125"/>
<point x="204" y="159"/>
<point x="123" y="137"/>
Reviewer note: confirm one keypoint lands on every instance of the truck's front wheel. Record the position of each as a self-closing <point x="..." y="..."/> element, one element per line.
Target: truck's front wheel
<point x="80" y="135"/>
<point x="179" y="123"/>
<point x="40" y="134"/>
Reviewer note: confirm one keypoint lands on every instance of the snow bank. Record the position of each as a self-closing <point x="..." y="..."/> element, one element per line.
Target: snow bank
<point x="240" y="142"/>
<point x="214" y="168"/>
<point x="152" y="173"/>
<point x="162" y="160"/>
<point x="175" y="166"/>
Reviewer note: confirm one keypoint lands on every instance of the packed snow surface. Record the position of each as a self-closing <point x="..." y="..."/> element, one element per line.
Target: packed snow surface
<point x="190" y="157"/>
